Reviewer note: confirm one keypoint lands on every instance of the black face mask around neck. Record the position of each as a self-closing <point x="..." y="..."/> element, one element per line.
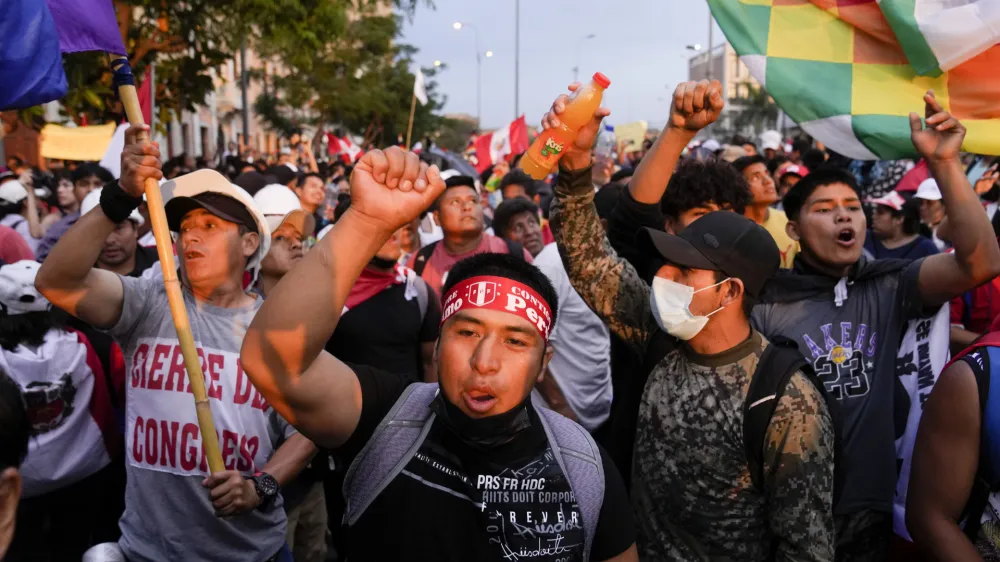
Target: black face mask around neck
<point x="482" y="433"/>
<point x="381" y="263"/>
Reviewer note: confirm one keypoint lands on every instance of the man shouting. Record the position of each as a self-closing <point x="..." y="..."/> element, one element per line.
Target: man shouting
<point x="463" y="469"/>
<point x="174" y="508"/>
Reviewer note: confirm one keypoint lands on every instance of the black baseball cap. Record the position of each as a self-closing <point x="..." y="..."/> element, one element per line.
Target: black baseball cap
<point x="252" y="182"/>
<point x="720" y="241"/>
<point x="282" y="173"/>
<point x="222" y="206"/>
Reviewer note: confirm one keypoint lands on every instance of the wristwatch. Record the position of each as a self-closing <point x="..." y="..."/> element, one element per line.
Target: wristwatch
<point x="266" y="487"/>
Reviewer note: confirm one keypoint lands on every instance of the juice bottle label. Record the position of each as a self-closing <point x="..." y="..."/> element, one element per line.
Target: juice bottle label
<point x="552" y="148"/>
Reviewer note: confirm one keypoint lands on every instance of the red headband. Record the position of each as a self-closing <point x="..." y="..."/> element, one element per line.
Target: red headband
<point x="499" y="293"/>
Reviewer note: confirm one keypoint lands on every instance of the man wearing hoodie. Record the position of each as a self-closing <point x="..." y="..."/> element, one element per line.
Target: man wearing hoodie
<point x="847" y="314"/>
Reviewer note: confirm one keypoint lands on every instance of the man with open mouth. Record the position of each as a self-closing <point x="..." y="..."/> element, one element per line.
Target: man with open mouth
<point x="171" y="494"/>
<point x="847" y="314"/>
<point x="463" y="469"/>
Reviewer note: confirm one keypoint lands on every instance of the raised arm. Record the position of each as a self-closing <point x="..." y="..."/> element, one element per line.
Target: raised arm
<point x="799" y="464"/>
<point x="976" y="259"/>
<point x="283" y="350"/>
<point x="945" y="459"/>
<point x="34" y="221"/>
<point x="608" y="284"/>
<point x="310" y="157"/>
<point x="68" y="277"/>
<point x="695" y="106"/>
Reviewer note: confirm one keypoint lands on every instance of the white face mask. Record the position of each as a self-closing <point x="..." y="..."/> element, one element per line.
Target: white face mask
<point x="670" y="303"/>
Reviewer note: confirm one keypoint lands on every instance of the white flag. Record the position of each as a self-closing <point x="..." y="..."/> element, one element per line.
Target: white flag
<point x="418" y="88"/>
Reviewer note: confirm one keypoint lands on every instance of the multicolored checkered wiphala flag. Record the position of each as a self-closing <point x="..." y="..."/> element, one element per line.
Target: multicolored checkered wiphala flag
<point x="850" y="71"/>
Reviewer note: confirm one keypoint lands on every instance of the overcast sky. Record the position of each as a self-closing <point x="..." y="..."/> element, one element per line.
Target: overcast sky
<point x="639" y="45"/>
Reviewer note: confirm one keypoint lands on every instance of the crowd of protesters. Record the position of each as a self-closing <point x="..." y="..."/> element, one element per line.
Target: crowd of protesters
<point x="692" y="351"/>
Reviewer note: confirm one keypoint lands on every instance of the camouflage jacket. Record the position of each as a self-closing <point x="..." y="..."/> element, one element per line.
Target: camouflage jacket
<point x="692" y="491"/>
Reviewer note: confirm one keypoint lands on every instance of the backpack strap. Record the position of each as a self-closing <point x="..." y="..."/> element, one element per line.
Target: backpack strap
<point x="580" y="460"/>
<point x="775" y="368"/>
<point x="514" y="248"/>
<point x="423" y="256"/>
<point x="394" y="442"/>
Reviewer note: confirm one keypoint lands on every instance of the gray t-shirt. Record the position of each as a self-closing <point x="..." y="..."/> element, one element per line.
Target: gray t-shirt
<point x="581" y="360"/>
<point x="168" y="515"/>
<point x="853" y="351"/>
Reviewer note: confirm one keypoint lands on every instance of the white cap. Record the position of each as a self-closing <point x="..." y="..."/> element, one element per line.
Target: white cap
<point x="711" y="145"/>
<point x="210" y="181"/>
<point x="770" y="140"/>
<point x="280" y="204"/>
<point x="893" y="200"/>
<point x="929" y="190"/>
<point x="17" y="288"/>
<point x="12" y="191"/>
<point x="93" y="199"/>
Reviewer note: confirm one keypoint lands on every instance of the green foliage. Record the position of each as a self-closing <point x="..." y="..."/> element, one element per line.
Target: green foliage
<point x="363" y="82"/>
<point x="268" y="109"/>
<point x="188" y="40"/>
<point x="334" y="69"/>
<point x="758" y="111"/>
<point x="454" y="134"/>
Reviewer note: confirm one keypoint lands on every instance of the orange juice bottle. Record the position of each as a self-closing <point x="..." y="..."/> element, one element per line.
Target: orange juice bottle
<point x="547" y="149"/>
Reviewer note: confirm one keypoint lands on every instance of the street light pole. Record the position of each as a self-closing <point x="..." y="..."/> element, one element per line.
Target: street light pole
<point x="458" y="25"/>
<point x="243" y="93"/>
<point x="479" y="88"/>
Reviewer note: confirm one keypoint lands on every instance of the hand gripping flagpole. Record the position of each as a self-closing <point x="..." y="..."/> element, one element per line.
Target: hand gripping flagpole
<point x="125" y="83"/>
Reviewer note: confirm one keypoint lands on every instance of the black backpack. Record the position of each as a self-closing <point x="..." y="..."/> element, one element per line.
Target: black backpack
<point x="779" y="362"/>
<point x="514" y="248"/>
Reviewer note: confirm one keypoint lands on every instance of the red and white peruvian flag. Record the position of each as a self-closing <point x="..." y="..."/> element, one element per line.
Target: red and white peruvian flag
<point x="501" y="144"/>
<point x="343" y="146"/>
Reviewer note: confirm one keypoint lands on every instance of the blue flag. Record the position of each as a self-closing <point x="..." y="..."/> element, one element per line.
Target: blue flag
<point x="31" y="71"/>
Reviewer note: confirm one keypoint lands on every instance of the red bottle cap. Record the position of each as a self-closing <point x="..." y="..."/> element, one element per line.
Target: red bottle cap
<point x="602" y="80"/>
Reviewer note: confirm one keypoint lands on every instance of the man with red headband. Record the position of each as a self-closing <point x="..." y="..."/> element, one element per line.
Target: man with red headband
<point x="464" y="469"/>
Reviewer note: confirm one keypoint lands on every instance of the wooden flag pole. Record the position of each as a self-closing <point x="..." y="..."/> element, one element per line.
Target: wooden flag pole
<point x="409" y="127"/>
<point x="164" y="244"/>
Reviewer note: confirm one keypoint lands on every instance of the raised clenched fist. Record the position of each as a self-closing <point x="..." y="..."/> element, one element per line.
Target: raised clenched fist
<point x="392" y="187"/>
<point x="696" y="105"/>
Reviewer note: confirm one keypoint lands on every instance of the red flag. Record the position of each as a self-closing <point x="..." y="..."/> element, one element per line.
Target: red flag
<point x="345" y="147"/>
<point x="145" y="92"/>
<point x="502" y="144"/>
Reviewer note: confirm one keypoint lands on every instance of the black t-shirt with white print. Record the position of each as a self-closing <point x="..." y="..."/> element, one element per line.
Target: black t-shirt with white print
<point x="456" y="503"/>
